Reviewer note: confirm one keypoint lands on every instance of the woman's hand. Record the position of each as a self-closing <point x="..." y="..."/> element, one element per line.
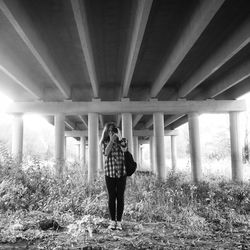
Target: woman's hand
<point x="113" y="137"/>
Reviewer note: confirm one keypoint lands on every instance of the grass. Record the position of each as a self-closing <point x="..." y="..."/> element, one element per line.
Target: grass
<point x="157" y="215"/>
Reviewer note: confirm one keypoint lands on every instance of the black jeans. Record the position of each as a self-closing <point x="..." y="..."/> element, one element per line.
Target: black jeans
<point x="116" y="188"/>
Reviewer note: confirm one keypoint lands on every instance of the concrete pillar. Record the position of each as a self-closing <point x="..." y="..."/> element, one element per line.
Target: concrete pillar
<point x="78" y="154"/>
<point x="65" y="146"/>
<point x="82" y="152"/>
<point x="236" y="164"/>
<point x="158" y="119"/>
<point x="195" y="148"/>
<point x="17" y="137"/>
<point x="65" y="166"/>
<point x="136" y="151"/>
<point x="87" y="154"/>
<point x="93" y="146"/>
<point x="127" y="130"/>
<point x="154" y="157"/>
<point x="59" y="143"/>
<point x="140" y="156"/>
<point x="173" y="153"/>
<point x="151" y="148"/>
<point x="101" y="158"/>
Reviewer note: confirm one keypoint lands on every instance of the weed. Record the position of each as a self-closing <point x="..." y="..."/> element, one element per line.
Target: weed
<point x="32" y="193"/>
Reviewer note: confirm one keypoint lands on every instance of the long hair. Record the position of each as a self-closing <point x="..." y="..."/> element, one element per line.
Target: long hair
<point x="105" y="134"/>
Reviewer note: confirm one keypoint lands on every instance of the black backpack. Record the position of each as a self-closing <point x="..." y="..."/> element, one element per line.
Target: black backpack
<point x="130" y="164"/>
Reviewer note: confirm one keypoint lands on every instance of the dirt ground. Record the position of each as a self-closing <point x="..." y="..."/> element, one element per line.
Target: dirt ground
<point x="134" y="236"/>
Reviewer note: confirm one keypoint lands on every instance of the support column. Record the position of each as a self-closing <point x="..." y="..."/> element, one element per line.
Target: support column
<point x="93" y="146"/>
<point x="65" y="167"/>
<point x="59" y="144"/>
<point x="136" y="151"/>
<point x="158" y="119"/>
<point x="101" y="163"/>
<point x="17" y="138"/>
<point x="140" y="156"/>
<point x="127" y="130"/>
<point x="78" y="153"/>
<point x="65" y="146"/>
<point x="152" y="160"/>
<point x="173" y="153"/>
<point x="195" y="149"/>
<point x="154" y="157"/>
<point x="236" y="164"/>
<point x="82" y="152"/>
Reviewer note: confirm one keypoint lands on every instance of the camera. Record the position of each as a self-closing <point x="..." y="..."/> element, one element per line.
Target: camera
<point x="123" y="142"/>
<point x="115" y="130"/>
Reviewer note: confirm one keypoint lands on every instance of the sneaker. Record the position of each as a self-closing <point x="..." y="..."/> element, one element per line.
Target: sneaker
<point x="112" y="225"/>
<point x="119" y="226"/>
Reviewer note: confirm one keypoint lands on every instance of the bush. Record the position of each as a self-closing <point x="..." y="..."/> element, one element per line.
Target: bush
<point x="34" y="188"/>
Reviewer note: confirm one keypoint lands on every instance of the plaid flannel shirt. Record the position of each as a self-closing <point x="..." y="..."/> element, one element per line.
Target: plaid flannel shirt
<point x="114" y="162"/>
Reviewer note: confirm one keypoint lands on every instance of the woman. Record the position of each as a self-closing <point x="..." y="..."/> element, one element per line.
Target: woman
<point x="115" y="172"/>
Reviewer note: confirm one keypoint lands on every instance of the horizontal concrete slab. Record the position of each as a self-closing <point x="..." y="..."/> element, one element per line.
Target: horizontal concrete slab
<point x="114" y="107"/>
<point x="144" y="132"/>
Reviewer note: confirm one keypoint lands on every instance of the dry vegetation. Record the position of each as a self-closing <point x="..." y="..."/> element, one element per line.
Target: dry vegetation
<point x="174" y="214"/>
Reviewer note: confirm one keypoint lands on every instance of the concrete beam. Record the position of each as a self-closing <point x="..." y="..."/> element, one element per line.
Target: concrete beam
<point x="18" y="78"/>
<point x="82" y="27"/>
<point x="137" y="119"/>
<point x="149" y="132"/>
<point x="236" y="91"/>
<point x="239" y="39"/>
<point x="232" y="78"/>
<point x="84" y="120"/>
<point x="19" y="21"/>
<point x="194" y="28"/>
<point x="69" y="124"/>
<point x="141" y="18"/>
<point x="179" y="122"/>
<point x="149" y="123"/>
<point x="172" y="119"/>
<point x="146" y="107"/>
<point x="145" y="132"/>
<point x="167" y="122"/>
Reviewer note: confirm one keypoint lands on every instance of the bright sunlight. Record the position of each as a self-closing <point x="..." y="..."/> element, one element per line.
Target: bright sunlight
<point x="4" y="102"/>
<point x="30" y="120"/>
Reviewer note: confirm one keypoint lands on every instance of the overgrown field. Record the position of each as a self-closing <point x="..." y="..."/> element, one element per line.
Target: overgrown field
<point x="39" y="211"/>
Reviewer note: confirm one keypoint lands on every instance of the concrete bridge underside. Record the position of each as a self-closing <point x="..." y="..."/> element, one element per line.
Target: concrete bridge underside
<point x="148" y="65"/>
